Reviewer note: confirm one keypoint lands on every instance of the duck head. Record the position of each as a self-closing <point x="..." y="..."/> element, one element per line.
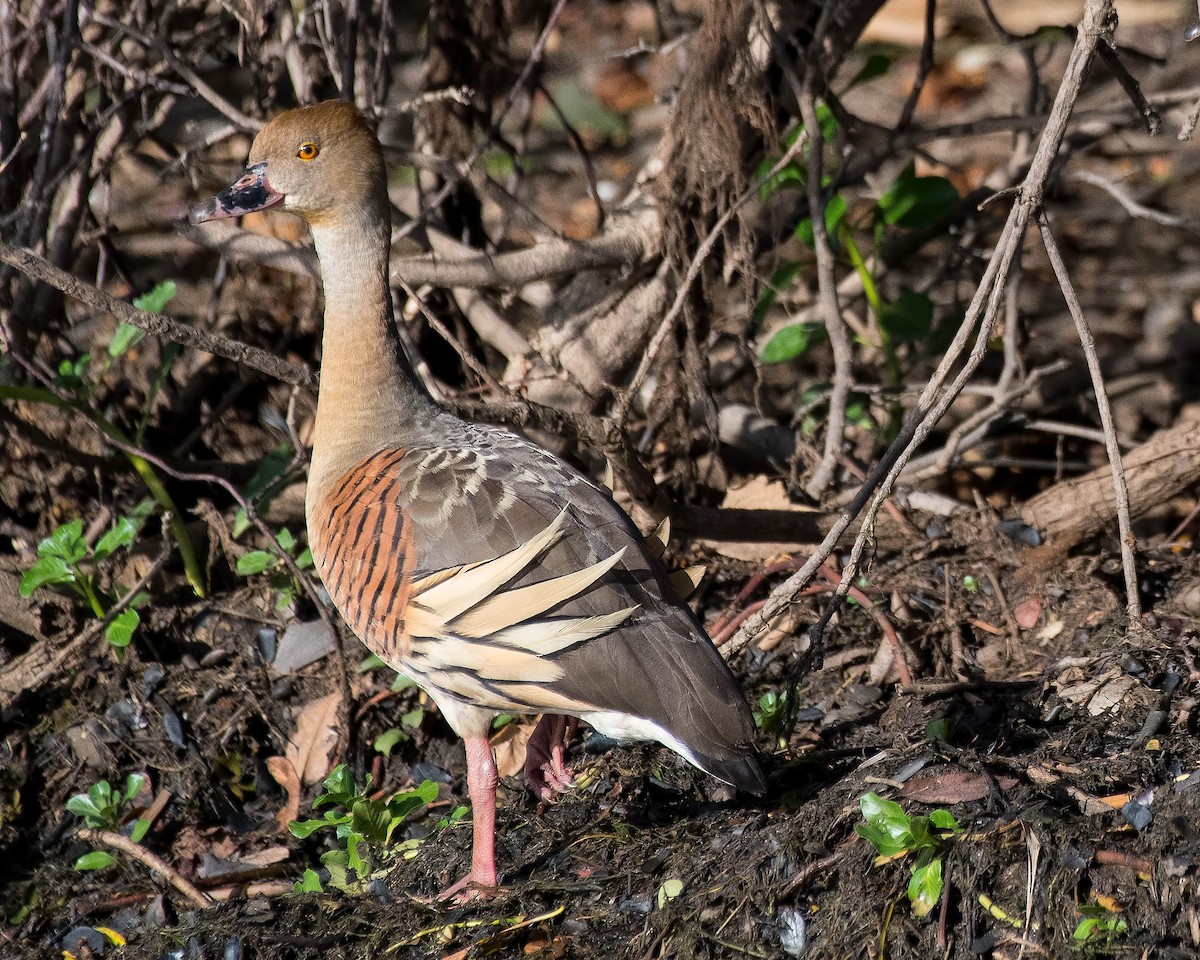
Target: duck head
<point x="321" y="162"/>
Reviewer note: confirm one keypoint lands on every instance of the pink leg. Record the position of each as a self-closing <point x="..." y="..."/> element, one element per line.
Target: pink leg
<point x="481" y="785"/>
<point x="546" y="769"/>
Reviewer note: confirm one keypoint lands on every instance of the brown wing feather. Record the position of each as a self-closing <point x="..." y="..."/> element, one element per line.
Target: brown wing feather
<point x="407" y="517"/>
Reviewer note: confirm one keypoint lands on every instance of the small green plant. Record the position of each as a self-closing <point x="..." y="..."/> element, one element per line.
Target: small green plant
<point x="771" y="713"/>
<point x="65" y="560"/>
<point x="103" y="808"/>
<point x="363" y="828"/>
<point x="75" y="386"/>
<point x="894" y="834"/>
<point x="283" y="583"/>
<point x="1100" y="923"/>
<point x="910" y="203"/>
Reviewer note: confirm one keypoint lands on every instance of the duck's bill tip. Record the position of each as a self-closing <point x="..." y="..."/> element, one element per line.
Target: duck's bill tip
<point x="251" y="193"/>
<point x="210" y="209"/>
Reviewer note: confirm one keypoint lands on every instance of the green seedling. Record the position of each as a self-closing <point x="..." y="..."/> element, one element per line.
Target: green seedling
<point x="363" y="829"/>
<point x="771" y="714"/>
<point x="65" y="560"/>
<point x="895" y="835"/>
<point x="909" y="203"/>
<point x="1100" y="924"/>
<point x="285" y="585"/>
<point x="74" y="388"/>
<point x="103" y="808"/>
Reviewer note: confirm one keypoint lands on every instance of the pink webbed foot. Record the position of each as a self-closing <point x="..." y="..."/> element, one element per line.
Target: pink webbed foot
<point x="546" y="769"/>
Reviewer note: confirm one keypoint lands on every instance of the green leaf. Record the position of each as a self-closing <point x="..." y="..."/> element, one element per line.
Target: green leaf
<point x="876" y="66"/>
<point x="944" y="820"/>
<point x="263" y="484"/>
<point x="387" y="741"/>
<point x="286" y="540"/>
<point x="913" y="201"/>
<point x="835" y="211"/>
<point x="909" y="318"/>
<point x="303" y="829"/>
<point x="827" y="122"/>
<point x="371" y="819"/>
<point x="1087" y="926"/>
<point x="71" y="373"/>
<point x="413" y="718"/>
<point x="84" y="806"/>
<point x="153" y="301"/>
<point x="304" y="559"/>
<point x="791" y="341"/>
<point x="938" y="730"/>
<point x="925" y="888"/>
<point x="888" y="828"/>
<point x="133" y="786"/>
<point x="784" y="177"/>
<point x="66" y="542"/>
<point x="120" y="632"/>
<point x="355" y="860"/>
<point x="311" y="883"/>
<point x="122" y="534"/>
<point x="126" y="336"/>
<point x="96" y="860"/>
<point x="140" y="828"/>
<point x="48" y="570"/>
<point x="256" y="561"/>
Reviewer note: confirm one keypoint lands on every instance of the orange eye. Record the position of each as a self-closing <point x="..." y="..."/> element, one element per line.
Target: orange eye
<point x="308" y="151"/>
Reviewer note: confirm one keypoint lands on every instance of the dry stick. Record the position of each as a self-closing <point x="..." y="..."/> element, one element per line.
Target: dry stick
<point x="241" y="353"/>
<point x="1131" y="206"/>
<point x="925" y="415"/>
<point x="143" y="856"/>
<point x="1133" y="607"/>
<point x="831" y="312"/>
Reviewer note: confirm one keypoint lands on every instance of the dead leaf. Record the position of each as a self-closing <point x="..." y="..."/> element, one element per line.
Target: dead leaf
<point x="285" y="775"/>
<point x="509" y="745"/>
<point x="316" y="736"/>
<point x="1028" y="613"/>
<point x="956" y="786"/>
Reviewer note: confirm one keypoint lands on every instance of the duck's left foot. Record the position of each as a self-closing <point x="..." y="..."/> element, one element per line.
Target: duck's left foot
<point x="546" y="769"/>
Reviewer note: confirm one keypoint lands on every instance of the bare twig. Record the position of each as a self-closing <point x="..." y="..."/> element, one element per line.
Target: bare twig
<point x="831" y="311"/>
<point x="1131" y="206"/>
<point x="1133" y="606"/>
<point x="41" y="269"/>
<point x="153" y="862"/>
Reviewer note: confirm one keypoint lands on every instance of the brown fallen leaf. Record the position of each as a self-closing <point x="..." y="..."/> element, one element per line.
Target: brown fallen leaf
<point x="508" y="745"/>
<point x="316" y="736"/>
<point x="285" y="775"/>
<point x="758" y="493"/>
<point x="955" y="786"/>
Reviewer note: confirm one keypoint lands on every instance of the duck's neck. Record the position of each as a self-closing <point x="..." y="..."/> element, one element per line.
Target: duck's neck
<point x="369" y="396"/>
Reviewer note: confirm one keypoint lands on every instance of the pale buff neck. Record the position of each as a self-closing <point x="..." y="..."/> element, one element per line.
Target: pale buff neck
<point x="369" y="397"/>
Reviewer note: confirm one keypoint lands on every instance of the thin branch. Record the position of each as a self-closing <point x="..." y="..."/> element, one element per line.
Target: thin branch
<point x="149" y="860"/>
<point x="831" y="311"/>
<point x="38" y="268"/>
<point x="1133" y="606"/>
<point x="1131" y="206"/>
